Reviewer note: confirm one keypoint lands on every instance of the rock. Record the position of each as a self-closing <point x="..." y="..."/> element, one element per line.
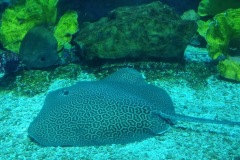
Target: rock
<point x="196" y="54"/>
<point x="190" y="15"/>
<point x="151" y="30"/>
<point x="93" y="10"/>
<point x="183" y="5"/>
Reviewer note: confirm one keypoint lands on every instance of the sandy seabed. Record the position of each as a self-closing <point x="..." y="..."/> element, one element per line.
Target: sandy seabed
<point x="217" y="100"/>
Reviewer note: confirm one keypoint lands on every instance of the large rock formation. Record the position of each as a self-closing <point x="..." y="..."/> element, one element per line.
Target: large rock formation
<point x="151" y="30"/>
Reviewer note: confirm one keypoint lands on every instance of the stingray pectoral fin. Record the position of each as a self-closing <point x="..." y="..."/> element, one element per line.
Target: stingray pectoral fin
<point x="179" y="117"/>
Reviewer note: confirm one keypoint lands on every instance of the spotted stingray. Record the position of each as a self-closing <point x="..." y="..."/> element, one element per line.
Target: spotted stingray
<point x="120" y="108"/>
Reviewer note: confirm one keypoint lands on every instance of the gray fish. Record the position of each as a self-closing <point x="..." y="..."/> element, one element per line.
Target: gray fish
<point x="39" y="48"/>
<point x="120" y="108"/>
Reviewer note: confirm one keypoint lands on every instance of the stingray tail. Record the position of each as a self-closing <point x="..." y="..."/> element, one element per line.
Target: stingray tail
<point x="179" y="117"/>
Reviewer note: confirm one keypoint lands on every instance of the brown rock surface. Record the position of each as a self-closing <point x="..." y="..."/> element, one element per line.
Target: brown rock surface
<point x="151" y="30"/>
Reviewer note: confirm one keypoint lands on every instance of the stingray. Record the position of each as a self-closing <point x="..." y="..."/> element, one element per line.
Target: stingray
<point x="118" y="109"/>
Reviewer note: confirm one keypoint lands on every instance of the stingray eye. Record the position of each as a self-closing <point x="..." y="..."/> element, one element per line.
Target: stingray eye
<point x="65" y="92"/>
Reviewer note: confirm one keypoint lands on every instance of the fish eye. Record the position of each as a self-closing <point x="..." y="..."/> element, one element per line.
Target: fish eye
<point x="42" y="59"/>
<point x="65" y="92"/>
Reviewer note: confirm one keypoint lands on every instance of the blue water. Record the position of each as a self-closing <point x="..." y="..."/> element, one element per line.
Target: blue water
<point x="192" y="81"/>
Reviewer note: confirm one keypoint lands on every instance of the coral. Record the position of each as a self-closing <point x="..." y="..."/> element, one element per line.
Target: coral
<point x="21" y="17"/>
<point x="31" y="82"/>
<point x="203" y="27"/>
<point x="213" y="7"/>
<point x="9" y="62"/>
<point x="66" y="27"/>
<point x="229" y="69"/>
<point x="221" y="32"/>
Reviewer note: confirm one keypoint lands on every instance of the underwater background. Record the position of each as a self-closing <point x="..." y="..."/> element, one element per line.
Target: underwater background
<point x="190" y="48"/>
